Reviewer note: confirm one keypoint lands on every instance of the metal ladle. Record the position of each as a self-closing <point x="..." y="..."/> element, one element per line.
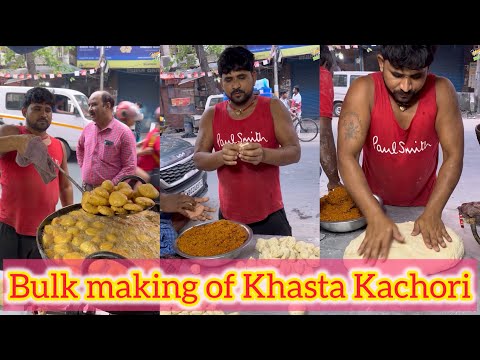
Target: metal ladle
<point x="69" y="177"/>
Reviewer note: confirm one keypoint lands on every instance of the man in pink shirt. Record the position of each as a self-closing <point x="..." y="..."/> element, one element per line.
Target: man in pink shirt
<point x="106" y="148"/>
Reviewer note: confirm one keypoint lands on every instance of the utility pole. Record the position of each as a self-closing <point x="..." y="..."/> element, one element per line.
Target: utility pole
<point x="275" y="71"/>
<point x="102" y="66"/>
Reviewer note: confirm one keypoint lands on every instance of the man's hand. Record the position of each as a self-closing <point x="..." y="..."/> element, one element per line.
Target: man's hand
<point x="380" y="233"/>
<point x="333" y="185"/>
<point x="201" y="212"/>
<point x="433" y="231"/>
<point x="251" y="153"/>
<point x="230" y="154"/>
<point x="22" y="142"/>
<point x="172" y="203"/>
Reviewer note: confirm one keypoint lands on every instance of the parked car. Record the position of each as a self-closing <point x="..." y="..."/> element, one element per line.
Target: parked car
<point x="177" y="170"/>
<point x="341" y="83"/>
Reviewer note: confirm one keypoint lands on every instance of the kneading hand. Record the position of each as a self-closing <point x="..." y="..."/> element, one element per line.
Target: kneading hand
<point x="380" y="233"/>
<point x="433" y="231"/>
<point x="251" y="153"/>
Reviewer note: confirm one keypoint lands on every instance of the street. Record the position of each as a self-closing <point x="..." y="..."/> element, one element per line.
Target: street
<point x="299" y="183"/>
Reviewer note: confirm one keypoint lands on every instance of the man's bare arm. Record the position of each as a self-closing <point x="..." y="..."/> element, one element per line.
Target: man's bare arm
<point x="328" y="153"/>
<point x="204" y="158"/>
<point x="353" y="126"/>
<point x="11" y="140"/>
<point x="289" y="152"/>
<point x="449" y="127"/>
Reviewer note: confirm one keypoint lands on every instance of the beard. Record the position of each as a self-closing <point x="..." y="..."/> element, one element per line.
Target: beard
<point x="404" y="98"/>
<point x="240" y="100"/>
<point x="39" y="125"/>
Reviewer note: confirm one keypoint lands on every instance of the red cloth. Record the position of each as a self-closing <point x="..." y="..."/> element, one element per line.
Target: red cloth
<point x="326" y="93"/>
<point x="152" y="161"/>
<point x="25" y="199"/>
<point x="248" y="193"/>
<point x="400" y="165"/>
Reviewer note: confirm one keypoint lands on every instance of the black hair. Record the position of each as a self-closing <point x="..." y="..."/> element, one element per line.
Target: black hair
<point x="297" y="87"/>
<point x="107" y="98"/>
<point x="235" y="58"/>
<point x="283" y="92"/>
<point x="39" y="95"/>
<point x="326" y="58"/>
<point x="413" y="57"/>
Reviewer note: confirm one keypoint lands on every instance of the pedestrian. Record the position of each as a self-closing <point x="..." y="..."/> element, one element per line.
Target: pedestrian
<point x="106" y="148"/>
<point x="26" y="199"/>
<point x="296" y="102"/>
<point x="284" y="98"/>
<point x="252" y="136"/>
<point x="188" y="208"/>
<point x="129" y="114"/>
<point x="148" y="152"/>
<point x="398" y="117"/>
<point x="328" y="152"/>
<point x="139" y="123"/>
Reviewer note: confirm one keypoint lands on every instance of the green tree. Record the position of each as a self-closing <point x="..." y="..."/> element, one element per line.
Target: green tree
<point x="50" y="56"/>
<point x="186" y="57"/>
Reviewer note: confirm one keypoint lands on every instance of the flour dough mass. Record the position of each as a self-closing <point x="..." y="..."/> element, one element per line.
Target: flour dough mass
<point x="414" y="248"/>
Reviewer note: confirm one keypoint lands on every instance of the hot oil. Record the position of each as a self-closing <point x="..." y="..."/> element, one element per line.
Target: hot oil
<point x="78" y="234"/>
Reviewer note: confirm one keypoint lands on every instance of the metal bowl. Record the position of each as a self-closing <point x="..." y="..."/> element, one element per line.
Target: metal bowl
<point x="220" y="259"/>
<point x="348" y="225"/>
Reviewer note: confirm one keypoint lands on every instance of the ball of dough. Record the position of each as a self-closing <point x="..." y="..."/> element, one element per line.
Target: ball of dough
<point x="414" y="248"/>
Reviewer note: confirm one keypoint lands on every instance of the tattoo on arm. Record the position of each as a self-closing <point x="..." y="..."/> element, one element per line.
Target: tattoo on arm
<point x="351" y="123"/>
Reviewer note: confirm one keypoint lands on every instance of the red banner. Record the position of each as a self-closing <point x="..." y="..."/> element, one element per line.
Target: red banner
<point x="181" y="102"/>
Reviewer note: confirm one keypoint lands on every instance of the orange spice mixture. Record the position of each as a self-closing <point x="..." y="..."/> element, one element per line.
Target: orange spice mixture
<point x="337" y="205"/>
<point x="212" y="239"/>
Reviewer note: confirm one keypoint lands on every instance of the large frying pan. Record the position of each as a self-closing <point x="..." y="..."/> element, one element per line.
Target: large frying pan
<point x="90" y="258"/>
<point x="64" y="211"/>
<point x="69" y="208"/>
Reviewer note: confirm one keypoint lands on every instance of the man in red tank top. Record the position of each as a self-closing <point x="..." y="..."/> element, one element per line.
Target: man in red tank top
<point x="252" y="136"/>
<point x="328" y="153"/>
<point x="398" y="117"/>
<point x="25" y="199"/>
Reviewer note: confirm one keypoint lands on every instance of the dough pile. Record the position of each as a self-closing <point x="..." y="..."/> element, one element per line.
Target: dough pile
<point x="414" y="248"/>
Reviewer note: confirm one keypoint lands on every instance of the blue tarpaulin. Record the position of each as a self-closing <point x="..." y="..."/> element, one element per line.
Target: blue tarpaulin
<point x="24" y="49"/>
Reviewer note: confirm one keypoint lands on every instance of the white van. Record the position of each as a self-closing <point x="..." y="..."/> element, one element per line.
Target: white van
<point x="68" y="120"/>
<point x="212" y="100"/>
<point x="341" y="83"/>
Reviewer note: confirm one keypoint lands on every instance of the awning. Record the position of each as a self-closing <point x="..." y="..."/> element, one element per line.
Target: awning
<point x="262" y="52"/>
<point x="190" y="79"/>
<point x="24" y="49"/>
<point x="212" y="66"/>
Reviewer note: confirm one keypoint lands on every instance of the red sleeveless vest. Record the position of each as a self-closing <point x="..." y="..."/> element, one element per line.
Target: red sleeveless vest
<point x="400" y="165"/>
<point x="25" y="200"/>
<point x="248" y="193"/>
